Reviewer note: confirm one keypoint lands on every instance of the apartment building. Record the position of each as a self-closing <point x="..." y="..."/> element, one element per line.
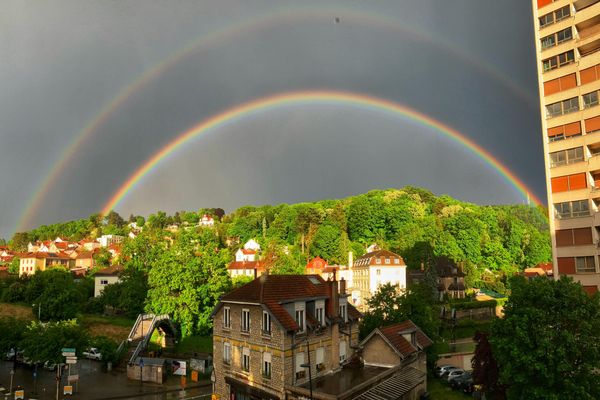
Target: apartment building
<point x="268" y="332"/>
<point x="567" y="34"/>
<point x="373" y="270"/>
<point x="30" y="263"/>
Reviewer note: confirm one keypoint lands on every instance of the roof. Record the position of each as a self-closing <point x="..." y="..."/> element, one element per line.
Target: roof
<point x="531" y="272"/>
<point x="316" y="263"/>
<point x="113" y="270"/>
<point x="393" y="335"/>
<point x="395" y="386"/>
<point x="366" y="259"/>
<point x="244" y="265"/>
<point x="547" y="267"/>
<point x="41" y="255"/>
<point x="445" y="267"/>
<point x="85" y="254"/>
<point x="249" y="252"/>
<point x="272" y="291"/>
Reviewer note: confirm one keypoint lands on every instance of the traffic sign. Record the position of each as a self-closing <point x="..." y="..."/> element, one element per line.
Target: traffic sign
<point x="68" y="350"/>
<point x="68" y="354"/>
<point x="19" y="394"/>
<point x="71" y="360"/>
<point x="68" y="389"/>
<point x="73" y="378"/>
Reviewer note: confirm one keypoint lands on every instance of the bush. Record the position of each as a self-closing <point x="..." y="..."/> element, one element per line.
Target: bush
<point x="472" y="305"/>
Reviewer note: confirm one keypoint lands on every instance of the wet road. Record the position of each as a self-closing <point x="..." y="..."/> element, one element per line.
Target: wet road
<point x="94" y="384"/>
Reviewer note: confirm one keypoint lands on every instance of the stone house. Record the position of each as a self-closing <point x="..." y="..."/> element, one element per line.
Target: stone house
<point x="451" y="279"/>
<point x="268" y="332"/>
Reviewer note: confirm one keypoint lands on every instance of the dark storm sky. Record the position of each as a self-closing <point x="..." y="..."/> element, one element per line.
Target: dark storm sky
<point x="468" y="63"/>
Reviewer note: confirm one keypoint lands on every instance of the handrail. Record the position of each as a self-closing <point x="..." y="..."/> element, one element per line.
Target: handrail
<point x="134" y="328"/>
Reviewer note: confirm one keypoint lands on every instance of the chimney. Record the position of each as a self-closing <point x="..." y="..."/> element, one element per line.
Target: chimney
<point x="350" y="259"/>
<point x="342" y="286"/>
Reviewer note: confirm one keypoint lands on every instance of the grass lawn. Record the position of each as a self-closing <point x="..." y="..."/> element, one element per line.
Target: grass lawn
<point x="116" y="328"/>
<point x="16" y="311"/>
<point x="194" y="344"/>
<point x="439" y="390"/>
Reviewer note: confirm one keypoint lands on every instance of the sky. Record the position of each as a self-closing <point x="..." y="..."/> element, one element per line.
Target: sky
<point x="89" y="91"/>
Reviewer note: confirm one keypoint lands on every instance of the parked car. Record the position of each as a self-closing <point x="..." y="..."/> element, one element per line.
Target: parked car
<point x="51" y="365"/>
<point x="444" y="375"/>
<point x="93" y="353"/>
<point x="10" y="355"/>
<point x="440" y="370"/>
<point x="455" y="373"/>
<point x="461" y="381"/>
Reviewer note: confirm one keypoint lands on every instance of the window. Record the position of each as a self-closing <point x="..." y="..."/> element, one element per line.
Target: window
<point x="227" y="353"/>
<point x="396" y="261"/>
<point x="320" y="362"/>
<point x="387" y="260"/>
<point x="245" y="320"/>
<point x="562" y="107"/>
<point x="300" y="317"/>
<point x="562" y="13"/>
<point x="343" y="313"/>
<point x="585" y="264"/>
<point x="320" y="311"/>
<point x="578" y="208"/>
<point x="558" y="60"/>
<point x="342" y="350"/>
<point x="226" y="317"/>
<point x="378" y="272"/>
<point x="557" y="38"/>
<point x="266" y="323"/>
<point x="555" y="16"/>
<point x="104" y="282"/>
<point x="246" y="359"/>
<point x="266" y="366"/>
<point x="590" y="99"/>
<point x="563" y="157"/>
<point x="300" y="371"/>
<point x="378" y="261"/>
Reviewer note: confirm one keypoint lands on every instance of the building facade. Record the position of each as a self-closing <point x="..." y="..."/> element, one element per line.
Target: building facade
<point x="373" y="270"/>
<point x="567" y="35"/>
<point x="268" y="331"/>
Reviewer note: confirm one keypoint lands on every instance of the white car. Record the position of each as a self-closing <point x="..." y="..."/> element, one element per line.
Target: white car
<point x="439" y="371"/>
<point x="455" y="373"/>
<point x="93" y="353"/>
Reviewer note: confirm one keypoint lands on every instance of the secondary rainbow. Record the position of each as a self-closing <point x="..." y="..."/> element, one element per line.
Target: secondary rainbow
<point x="308" y="97"/>
<point x="233" y="31"/>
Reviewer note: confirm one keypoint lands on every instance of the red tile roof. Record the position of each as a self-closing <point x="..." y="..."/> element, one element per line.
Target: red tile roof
<point x="274" y="290"/>
<point x="369" y="258"/>
<point x="548" y="267"/>
<point x="393" y="334"/>
<point x="110" y="271"/>
<point x="244" y="265"/>
<point x="316" y="263"/>
<point x="248" y="252"/>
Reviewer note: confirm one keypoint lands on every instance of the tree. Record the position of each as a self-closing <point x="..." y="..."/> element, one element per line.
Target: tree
<point x="328" y="244"/>
<point x="55" y="295"/>
<point x="12" y="333"/>
<point x="19" y="241"/>
<point x="13" y="267"/>
<point x="128" y="295"/>
<point x="113" y="218"/>
<point x="548" y="344"/>
<point x="485" y="368"/>
<point x="102" y="258"/>
<point x="187" y="280"/>
<point x="44" y="341"/>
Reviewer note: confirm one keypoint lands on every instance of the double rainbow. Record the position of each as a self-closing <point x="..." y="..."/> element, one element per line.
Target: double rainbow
<point x="314" y="97"/>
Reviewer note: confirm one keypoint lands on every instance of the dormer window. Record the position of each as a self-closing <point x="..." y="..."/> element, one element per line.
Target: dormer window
<point x="226" y="317"/>
<point x="396" y="261"/>
<point x="320" y="311"/>
<point x="266" y="323"/>
<point x="300" y="315"/>
<point x="343" y="310"/>
<point x="387" y="260"/>
<point x="245" y="320"/>
<point x="378" y="261"/>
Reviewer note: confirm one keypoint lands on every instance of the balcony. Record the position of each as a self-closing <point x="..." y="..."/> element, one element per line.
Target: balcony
<point x="583" y="4"/>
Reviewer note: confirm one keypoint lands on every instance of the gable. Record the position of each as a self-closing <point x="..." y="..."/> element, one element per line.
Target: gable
<point x="377" y="351"/>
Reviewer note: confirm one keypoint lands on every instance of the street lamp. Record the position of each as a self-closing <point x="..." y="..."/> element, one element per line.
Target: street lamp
<point x="307" y="365"/>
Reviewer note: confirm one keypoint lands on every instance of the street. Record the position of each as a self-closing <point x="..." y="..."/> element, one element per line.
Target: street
<point x="94" y="384"/>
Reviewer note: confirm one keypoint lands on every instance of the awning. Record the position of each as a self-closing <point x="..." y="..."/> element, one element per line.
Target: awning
<point x="396" y="386"/>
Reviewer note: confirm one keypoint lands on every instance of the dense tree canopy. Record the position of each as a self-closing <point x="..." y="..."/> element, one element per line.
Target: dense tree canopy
<point x="548" y="344"/>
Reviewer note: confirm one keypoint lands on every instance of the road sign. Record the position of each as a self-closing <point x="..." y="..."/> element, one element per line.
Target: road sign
<point x="68" y="350"/>
<point x="19" y="394"/>
<point x="71" y="360"/>
<point x="68" y="354"/>
<point x="141" y="362"/>
<point x="68" y="389"/>
<point x="73" y="378"/>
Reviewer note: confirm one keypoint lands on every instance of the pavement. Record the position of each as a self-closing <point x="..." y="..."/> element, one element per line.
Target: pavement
<point x="95" y="384"/>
